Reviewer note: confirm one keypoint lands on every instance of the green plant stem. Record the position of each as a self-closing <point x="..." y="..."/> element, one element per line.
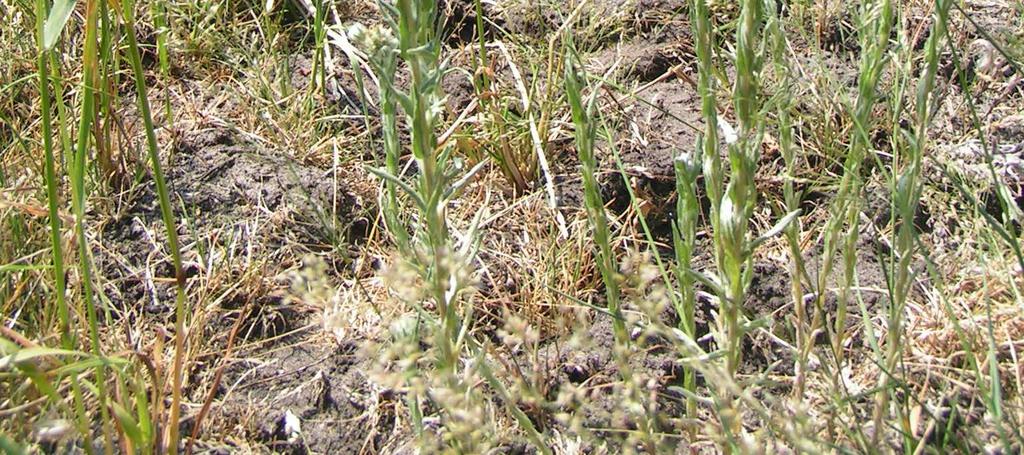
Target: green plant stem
<point x="878" y="20"/>
<point x="585" y="134"/>
<point x="53" y="205"/>
<point x="585" y="121"/>
<point x="78" y="192"/>
<point x="318" y="75"/>
<point x="53" y="199"/>
<point x="906" y="198"/>
<point x="386" y="64"/>
<point x="792" y="202"/>
<point x="419" y="47"/>
<point x="167" y="213"/>
<point x="162" y="26"/>
<point x="684" y="233"/>
<point x="741" y="192"/>
<point x="62" y="116"/>
<point x="482" y="56"/>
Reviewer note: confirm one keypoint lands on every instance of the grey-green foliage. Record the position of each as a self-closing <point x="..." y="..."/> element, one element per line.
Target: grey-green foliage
<point x="684" y="236"/>
<point x="732" y="200"/>
<point x="415" y="213"/>
<point x="585" y="134"/>
<point x="906" y="195"/>
<point x="585" y="123"/>
<point x="410" y="38"/>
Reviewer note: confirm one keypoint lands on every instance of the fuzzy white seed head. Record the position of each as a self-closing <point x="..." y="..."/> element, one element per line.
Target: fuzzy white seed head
<point x="374" y="40"/>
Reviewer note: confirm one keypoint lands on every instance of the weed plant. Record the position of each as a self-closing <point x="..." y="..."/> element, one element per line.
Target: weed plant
<point x="410" y="38"/>
<point x="474" y="361"/>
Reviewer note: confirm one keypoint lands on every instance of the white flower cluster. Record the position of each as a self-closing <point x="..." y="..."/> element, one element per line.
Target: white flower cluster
<point x="375" y="40"/>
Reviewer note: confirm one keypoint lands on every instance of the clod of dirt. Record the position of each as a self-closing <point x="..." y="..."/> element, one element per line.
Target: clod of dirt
<point x="870" y="275"/>
<point x="537" y="20"/>
<point x="1010" y="130"/>
<point x="769" y="289"/>
<point x="460" y="21"/>
<point x="219" y="184"/>
<point x="639" y="61"/>
<point x="595" y="371"/>
<point x="662" y="21"/>
<point x="653" y="133"/>
<point x="839" y="34"/>
<point x="459" y="92"/>
<point x="878" y="208"/>
<point x="652" y="127"/>
<point x="532" y="21"/>
<point x="970" y="160"/>
<point x="218" y="173"/>
<point x="319" y="390"/>
<point x="342" y="88"/>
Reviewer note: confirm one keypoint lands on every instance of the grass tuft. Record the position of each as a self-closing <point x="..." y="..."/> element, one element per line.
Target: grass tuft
<point x="500" y="226"/>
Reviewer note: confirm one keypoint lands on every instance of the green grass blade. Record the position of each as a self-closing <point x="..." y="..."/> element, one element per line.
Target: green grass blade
<point x="59" y="15"/>
<point x="53" y="200"/>
<point x="167" y="213"/>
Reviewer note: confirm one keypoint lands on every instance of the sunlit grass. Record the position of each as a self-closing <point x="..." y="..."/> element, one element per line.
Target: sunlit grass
<point x="805" y="109"/>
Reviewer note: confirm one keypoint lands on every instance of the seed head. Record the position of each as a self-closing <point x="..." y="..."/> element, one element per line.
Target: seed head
<point x="377" y="41"/>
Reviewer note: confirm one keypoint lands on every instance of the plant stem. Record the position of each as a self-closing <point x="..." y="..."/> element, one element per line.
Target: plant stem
<point x="585" y="134"/>
<point x="166" y="211"/>
<point x="53" y="199"/>
<point x="684" y="233"/>
<point x="78" y="192"/>
<point x="906" y="198"/>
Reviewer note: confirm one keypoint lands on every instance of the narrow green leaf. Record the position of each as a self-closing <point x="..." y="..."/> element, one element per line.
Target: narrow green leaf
<point x="128" y="423"/>
<point x="9" y="268"/>
<point x="397" y="181"/>
<point x="34" y="352"/>
<point x="775" y="230"/>
<point x="87" y="364"/>
<point x="59" y="15"/>
<point x="8" y="346"/>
